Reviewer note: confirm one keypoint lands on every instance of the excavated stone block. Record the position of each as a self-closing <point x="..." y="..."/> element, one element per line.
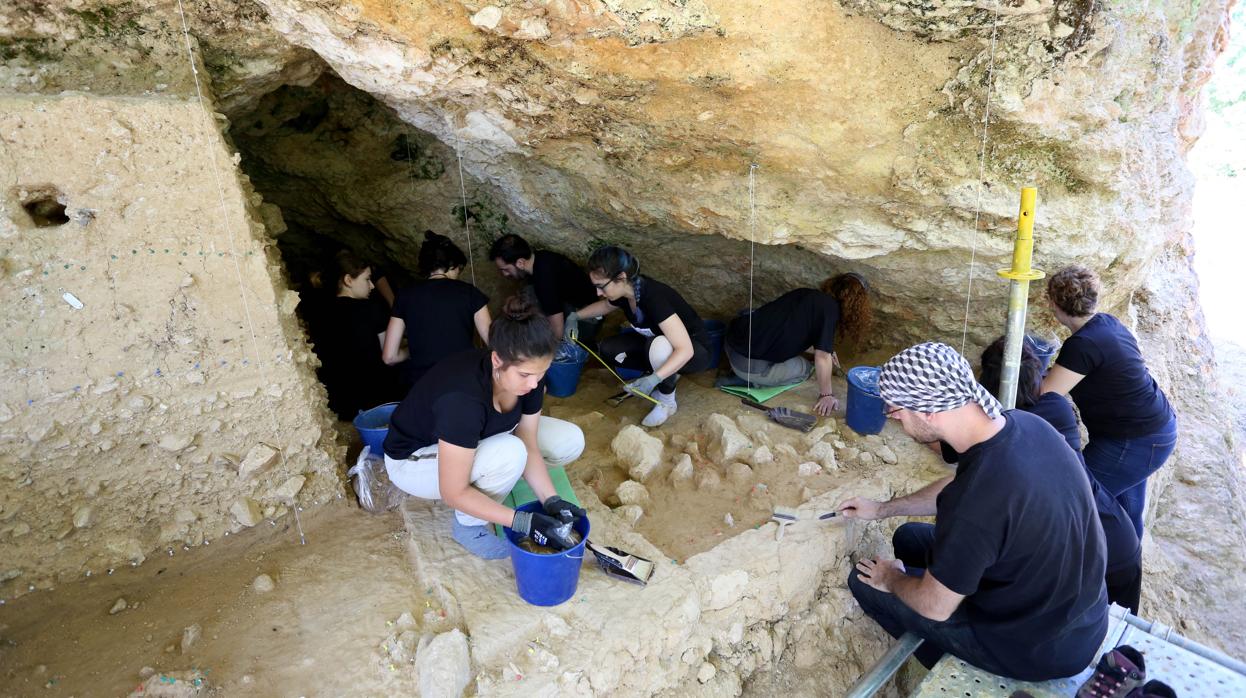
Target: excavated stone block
<point x="444" y="666"/>
<point x="630" y="513"/>
<point x="247" y="511"/>
<point x="683" y="470"/>
<point x="637" y="451"/>
<point x="824" y="453"/>
<point x="761" y="456"/>
<point x="708" y="480"/>
<point x="289" y="489"/>
<point x="260" y="458"/>
<point x="632" y="492"/>
<point x="726" y="441"/>
<point x="739" y="473"/>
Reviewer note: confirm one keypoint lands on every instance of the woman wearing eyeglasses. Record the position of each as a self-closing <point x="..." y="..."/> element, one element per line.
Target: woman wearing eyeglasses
<point x="668" y="338"/>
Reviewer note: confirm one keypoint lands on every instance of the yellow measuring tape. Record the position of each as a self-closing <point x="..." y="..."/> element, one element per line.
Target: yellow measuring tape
<point x="592" y="353"/>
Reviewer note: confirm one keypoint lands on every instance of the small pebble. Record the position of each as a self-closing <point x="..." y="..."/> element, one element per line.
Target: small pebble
<point x="263" y="584"/>
<point x="118" y="606"/>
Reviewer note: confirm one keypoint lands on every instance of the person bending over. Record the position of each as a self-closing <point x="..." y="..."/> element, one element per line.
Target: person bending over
<point x="1132" y="427"/>
<point x="1124" y="550"/>
<point x="472" y="427"/>
<point x="1009" y="577"/>
<point x="561" y="285"/>
<point x="439" y="315"/>
<point x="353" y="334"/>
<point x="668" y="338"/>
<point x="764" y="347"/>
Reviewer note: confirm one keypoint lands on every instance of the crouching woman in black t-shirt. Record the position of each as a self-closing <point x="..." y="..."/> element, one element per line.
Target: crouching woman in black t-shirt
<point x="1132" y="427"/>
<point x="472" y="426"/>
<point x="669" y="337"/>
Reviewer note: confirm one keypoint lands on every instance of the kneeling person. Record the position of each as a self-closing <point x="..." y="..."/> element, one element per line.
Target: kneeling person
<point x="764" y="347"/>
<point x="472" y="427"/>
<point x="1010" y="576"/>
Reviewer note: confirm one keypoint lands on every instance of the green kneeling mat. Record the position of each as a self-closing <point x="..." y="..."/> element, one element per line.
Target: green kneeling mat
<point x="758" y="393"/>
<point x="522" y="494"/>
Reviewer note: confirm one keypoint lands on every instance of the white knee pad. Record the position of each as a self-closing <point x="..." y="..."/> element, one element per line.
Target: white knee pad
<point x="660" y="350"/>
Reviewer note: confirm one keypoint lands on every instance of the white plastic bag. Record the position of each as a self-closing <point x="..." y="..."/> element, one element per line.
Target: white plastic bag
<point x="371" y="483"/>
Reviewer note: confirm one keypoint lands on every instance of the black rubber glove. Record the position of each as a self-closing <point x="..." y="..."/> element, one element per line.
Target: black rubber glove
<point x="545" y="530"/>
<point x="562" y="510"/>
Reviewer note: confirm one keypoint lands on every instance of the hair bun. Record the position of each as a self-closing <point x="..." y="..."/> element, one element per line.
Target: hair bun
<point x="519" y="308"/>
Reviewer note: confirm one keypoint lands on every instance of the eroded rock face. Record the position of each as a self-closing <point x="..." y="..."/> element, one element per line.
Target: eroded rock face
<point x="585" y="125"/>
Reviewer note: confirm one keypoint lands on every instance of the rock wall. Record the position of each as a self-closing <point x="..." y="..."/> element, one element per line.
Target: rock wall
<point x="155" y="390"/>
<point x="638" y="122"/>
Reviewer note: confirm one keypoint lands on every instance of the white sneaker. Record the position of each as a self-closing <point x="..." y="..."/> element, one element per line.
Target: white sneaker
<point x="662" y="411"/>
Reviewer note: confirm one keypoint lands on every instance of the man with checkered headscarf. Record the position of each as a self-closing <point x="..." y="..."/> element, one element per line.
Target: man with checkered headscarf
<point x="1010" y="576"/>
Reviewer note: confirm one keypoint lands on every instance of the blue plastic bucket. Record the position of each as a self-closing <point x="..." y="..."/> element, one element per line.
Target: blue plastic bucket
<point x="717" y="330"/>
<point x="547" y="580"/>
<point x="1043" y="349"/>
<point x="865" y="406"/>
<point x="373" y="425"/>
<point x="564" y="374"/>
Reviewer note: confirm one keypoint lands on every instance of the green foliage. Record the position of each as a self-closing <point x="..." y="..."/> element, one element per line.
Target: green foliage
<point x="488" y="219"/>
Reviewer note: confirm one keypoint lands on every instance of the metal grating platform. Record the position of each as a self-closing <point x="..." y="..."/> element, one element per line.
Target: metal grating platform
<point x="1189" y="673"/>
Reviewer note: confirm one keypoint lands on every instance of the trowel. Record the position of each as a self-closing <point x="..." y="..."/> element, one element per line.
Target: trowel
<point x="785" y="416"/>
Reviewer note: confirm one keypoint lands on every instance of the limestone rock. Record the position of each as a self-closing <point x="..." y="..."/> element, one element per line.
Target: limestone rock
<point x="866" y="458"/>
<point x="289" y="489"/>
<point x="708" y="480"/>
<point x="118" y="606"/>
<point x="637" y="451"/>
<point x="706" y="673"/>
<point x="887" y="455"/>
<point x="808" y="468"/>
<point x="739" y="473"/>
<point x="247" y="511"/>
<point x="726" y="441"/>
<point x="263" y="584"/>
<point x="630" y="513"/>
<point x="824" y="453"/>
<point x="632" y="492"/>
<point x="260" y="458"/>
<point x="84" y="517"/>
<point x="488" y="17"/>
<point x="693" y="449"/>
<point x="444" y="666"/>
<point x="761" y="456"/>
<point x="786" y="452"/>
<point x="683" y="470"/>
<point x="175" y="442"/>
<point x="190" y="635"/>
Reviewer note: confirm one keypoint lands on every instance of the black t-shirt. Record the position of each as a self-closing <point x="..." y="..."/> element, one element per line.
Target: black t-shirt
<point x="1016" y="532"/>
<point x="1118" y="398"/>
<point x="787" y="326"/>
<point x="657" y="303"/>
<point x="352" y="369"/>
<point x="439" y="318"/>
<point x="559" y="282"/>
<point x="454" y="403"/>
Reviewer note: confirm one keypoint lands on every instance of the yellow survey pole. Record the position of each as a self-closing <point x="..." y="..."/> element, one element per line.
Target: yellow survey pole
<point x="1021" y="274"/>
